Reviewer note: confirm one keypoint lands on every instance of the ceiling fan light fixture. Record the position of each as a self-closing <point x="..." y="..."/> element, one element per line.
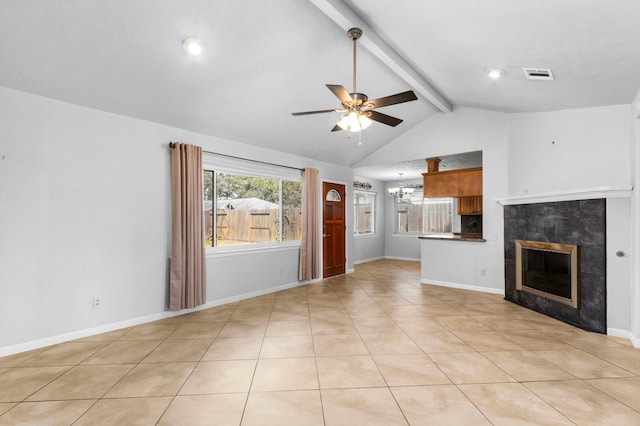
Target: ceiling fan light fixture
<point x="192" y="46"/>
<point x="354" y="121"/>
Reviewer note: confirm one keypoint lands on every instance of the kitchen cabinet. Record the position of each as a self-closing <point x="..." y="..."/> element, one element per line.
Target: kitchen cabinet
<point x="470" y="205"/>
<point x="470" y="182"/>
<point x="440" y="185"/>
<point x="453" y="183"/>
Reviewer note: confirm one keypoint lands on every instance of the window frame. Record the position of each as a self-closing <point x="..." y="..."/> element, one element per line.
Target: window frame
<point x="373" y="214"/>
<point x="245" y="167"/>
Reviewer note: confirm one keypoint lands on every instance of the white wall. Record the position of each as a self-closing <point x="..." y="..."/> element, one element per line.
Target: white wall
<point x="635" y="221"/>
<point x="463" y="130"/>
<point x="569" y="149"/>
<point x="84" y="213"/>
<point x="456" y="264"/>
<point x="619" y="238"/>
<point x="371" y="247"/>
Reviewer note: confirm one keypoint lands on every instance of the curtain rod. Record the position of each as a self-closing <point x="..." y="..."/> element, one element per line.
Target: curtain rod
<point x="173" y="144"/>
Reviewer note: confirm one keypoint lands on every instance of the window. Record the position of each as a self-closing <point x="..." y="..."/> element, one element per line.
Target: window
<point x="415" y="214"/>
<point x="437" y="214"/>
<point x="409" y="213"/>
<point x="333" y="195"/>
<point x="249" y="208"/>
<point x="364" y="212"/>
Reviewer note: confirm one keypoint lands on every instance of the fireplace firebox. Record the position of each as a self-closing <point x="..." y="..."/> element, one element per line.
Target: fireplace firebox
<point x="549" y="270"/>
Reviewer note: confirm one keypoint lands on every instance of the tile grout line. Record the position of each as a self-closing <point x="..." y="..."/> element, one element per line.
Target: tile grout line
<point x="255" y="368"/>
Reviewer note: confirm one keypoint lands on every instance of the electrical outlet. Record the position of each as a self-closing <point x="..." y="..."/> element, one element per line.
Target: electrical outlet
<point x="483" y="272"/>
<point x="97" y="303"/>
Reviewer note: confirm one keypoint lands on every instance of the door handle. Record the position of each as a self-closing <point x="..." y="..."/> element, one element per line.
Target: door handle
<point x="325" y="235"/>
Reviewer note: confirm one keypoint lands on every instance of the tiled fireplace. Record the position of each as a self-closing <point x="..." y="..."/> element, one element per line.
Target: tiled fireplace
<point x="554" y="235"/>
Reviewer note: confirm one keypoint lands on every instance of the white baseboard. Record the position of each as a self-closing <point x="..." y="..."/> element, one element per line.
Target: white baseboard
<point x="463" y="286"/>
<point x="79" y="334"/>
<point x="359" y="262"/>
<point x="410" y="259"/>
<point x="625" y="334"/>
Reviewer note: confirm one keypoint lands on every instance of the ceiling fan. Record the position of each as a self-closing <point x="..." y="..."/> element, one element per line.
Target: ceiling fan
<point x="359" y="110"/>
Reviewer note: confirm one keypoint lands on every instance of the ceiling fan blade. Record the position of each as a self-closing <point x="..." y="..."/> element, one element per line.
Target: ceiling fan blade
<point x="341" y="93"/>
<point x="336" y="128"/>
<point x="321" y="111"/>
<point x="383" y="118"/>
<point x="398" y="98"/>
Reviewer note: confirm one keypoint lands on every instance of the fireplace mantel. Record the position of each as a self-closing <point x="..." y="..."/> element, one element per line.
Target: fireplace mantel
<point x="571" y="195"/>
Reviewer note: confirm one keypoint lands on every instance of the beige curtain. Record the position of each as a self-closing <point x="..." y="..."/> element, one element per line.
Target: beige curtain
<point x="309" y="263"/>
<point x="187" y="276"/>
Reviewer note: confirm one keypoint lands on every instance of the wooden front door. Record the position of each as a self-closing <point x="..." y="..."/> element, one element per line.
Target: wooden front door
<point x="333" y="229"/>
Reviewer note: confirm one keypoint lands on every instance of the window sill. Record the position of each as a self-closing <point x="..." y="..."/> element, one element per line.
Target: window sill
<point x="370" y="235"/>
<point x="250" y="249"/>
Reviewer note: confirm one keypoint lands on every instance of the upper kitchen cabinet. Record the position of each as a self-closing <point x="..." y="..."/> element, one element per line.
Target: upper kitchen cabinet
<point x="469" y="182"/>
<point x="453" y="183"/>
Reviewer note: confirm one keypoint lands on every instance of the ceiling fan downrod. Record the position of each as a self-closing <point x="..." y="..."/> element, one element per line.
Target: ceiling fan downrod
<point x="354" y="34"/>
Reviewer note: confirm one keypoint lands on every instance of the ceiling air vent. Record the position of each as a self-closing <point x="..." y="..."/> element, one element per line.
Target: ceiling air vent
<point x="538" y="74"/>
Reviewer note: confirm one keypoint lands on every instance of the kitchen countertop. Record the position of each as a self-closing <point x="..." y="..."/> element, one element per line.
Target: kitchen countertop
<point x="456" y="236"/>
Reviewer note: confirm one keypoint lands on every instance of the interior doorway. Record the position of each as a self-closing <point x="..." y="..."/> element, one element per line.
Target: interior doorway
<point x="333" y="229"/>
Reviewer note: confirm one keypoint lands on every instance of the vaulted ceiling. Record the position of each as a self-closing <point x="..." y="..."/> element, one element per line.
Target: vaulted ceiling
<point x="263" y="60"/>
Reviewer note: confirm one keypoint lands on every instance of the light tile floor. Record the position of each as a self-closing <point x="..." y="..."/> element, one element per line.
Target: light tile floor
<point x="371" y="348"/>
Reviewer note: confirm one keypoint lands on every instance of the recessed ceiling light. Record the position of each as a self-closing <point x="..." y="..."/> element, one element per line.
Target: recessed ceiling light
<point x="495" y="72"/>
<point x="192" y="46"/>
